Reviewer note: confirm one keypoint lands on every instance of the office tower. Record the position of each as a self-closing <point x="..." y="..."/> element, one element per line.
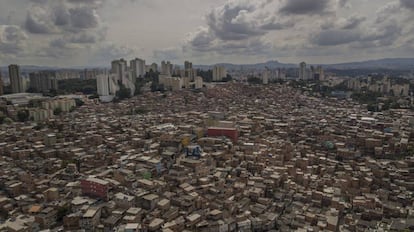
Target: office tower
<point x="1" y="84"/>
<point x="119" y="68"/>
<point x="138" y="67"/>
<point x="219" y="72"/>
<point x="302" y="71"/>
<point x="16" y="81"/>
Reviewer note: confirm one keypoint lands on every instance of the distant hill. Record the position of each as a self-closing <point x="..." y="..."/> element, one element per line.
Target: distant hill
<point x="392" y="64"/>
<point x="396" y="64"/>
<point x="270" y="64"/>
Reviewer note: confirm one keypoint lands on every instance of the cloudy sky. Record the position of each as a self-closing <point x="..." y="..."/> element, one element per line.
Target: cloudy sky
<point x="93" y="32"/>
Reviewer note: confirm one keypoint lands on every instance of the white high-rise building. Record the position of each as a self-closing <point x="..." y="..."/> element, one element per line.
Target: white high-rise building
<point x="219" y="72"/>
<point x="266" y="77"/>
<point x="103" y="84"/>
<point x="138" y="67"/>
<point x="107" y="86"/>
<point x="198" y="83"/>
<point x="119" y="68"/>
<point x="302" y="71"/>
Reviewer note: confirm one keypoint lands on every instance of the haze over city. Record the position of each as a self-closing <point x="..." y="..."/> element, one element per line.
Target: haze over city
<point x="68" y="33"/>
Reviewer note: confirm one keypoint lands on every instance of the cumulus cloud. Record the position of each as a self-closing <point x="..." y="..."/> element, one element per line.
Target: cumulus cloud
<point x="84" y="17"/>
<point x="234" y="21"/>
<point x="352" y="22"/>
<point x="61" y="15"/>
<point x="38" y="21"/>
<point x="238" y="27"/>
<point x="12" y="40"/>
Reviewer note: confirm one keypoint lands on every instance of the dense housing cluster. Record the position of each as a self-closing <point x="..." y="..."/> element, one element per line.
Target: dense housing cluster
<point x="230" y="157"/>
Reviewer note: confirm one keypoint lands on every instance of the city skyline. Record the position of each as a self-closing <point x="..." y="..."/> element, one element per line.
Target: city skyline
<point x="71" y="33"/>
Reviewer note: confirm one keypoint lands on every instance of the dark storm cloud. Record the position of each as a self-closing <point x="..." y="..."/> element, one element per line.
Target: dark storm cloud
<point x="407" y="4"/>
<point x="305" y="7"/>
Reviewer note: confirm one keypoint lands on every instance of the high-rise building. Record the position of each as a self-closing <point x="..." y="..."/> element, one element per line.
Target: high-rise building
<point x="188" y="65"/>
<point x="119" y="68"/>
<point x="321" y="73"/>
<point x="153" y="67"/>
<point x="302" y="71"/>
<point x="16" y="81"/>
<point x="1" y="84"/>
<point x="166" y="68"/>
<point x="266" y="76"/>
<point x="103" y="85"/>
<point x="43" y="81"/>
<point x="138" y="67"/>
<point x="219" y="72"/>
<point x="198" y="83"/>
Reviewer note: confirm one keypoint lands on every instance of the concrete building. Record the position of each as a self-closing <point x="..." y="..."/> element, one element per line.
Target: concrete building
<point x="120" y="69"/>
<point x="189" y="71"/>
<point x="198" y="83"/>
<point x="153" y="67"/>
<point x="43" y="82"/>
<point x="95" y="187"/>
<point x="138" y="67"/>
<point x="219" y="72"/>
<point x="103" y="85"/>
<point x="302" y="71"/>
<point x="16" y="81"/>
<point x="166" y="68"/>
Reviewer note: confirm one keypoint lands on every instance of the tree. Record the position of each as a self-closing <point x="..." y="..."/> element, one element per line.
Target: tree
<point x="254" y="80"/>
<point x="228" y="78"/>
<point x="79" y="102"/>
<point x="23" y="115"/>
<point x="57" y="111"/>
<point x="123" y="93"/>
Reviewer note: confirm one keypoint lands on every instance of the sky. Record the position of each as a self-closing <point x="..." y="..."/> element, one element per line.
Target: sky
<point x="70" y="33"/>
